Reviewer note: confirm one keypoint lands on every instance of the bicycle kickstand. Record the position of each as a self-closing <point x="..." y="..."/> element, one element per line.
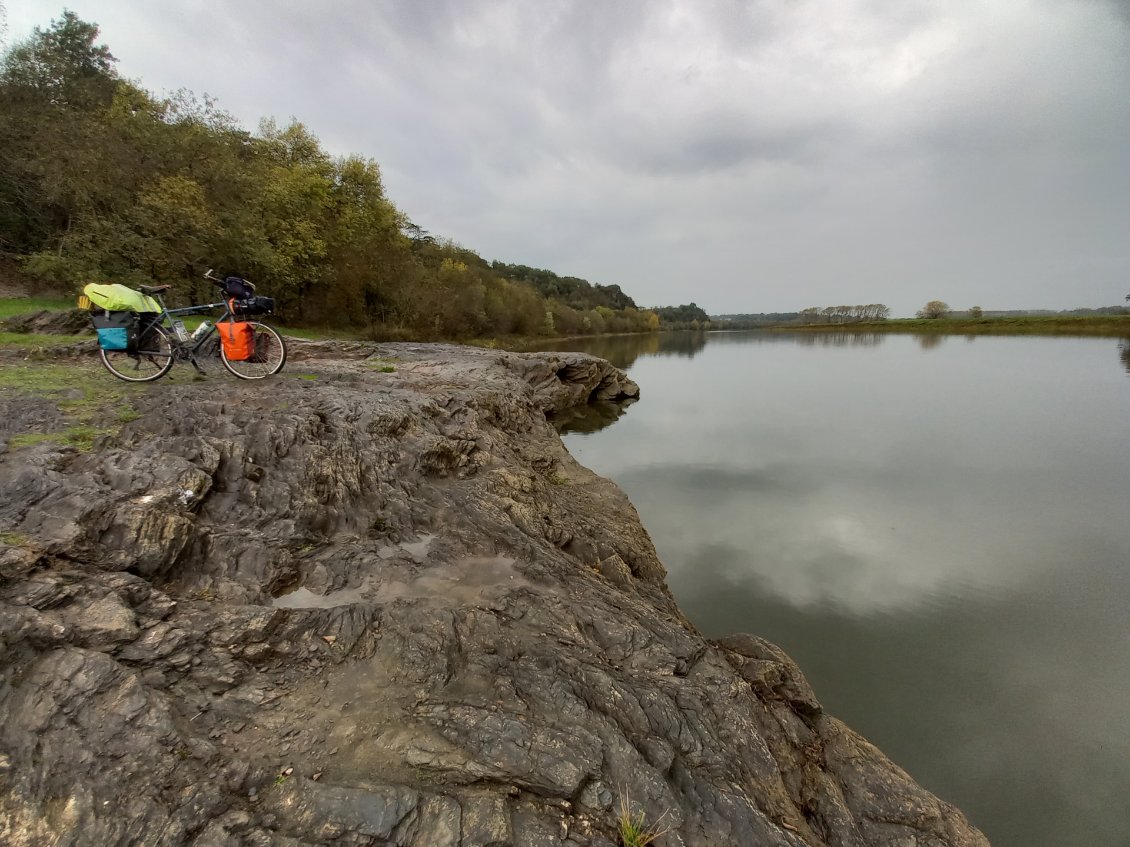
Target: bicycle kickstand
<point x="196" y="365"/>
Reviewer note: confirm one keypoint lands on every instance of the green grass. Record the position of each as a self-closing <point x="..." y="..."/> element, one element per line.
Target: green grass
<point x="10" y="306"/>
<point x="32" y="339"/>
<point x="1113" y="326"/>
<point x="80" y="436"/>
<point x="634" y="830"/>
<point x="44" y="378"/>
<point x="383" y="366"/>
<point x="91" y="408"/>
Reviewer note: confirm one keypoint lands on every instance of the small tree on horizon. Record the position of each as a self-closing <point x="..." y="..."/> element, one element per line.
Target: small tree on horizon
<point x="934" y="309"/>
<point x="976" y="312"/>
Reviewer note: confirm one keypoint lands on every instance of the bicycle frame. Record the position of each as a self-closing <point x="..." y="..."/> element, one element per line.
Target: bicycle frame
<point x="188" y="349"/>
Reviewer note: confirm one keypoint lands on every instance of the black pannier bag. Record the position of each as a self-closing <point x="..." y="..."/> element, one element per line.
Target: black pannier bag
<point x="253" y="306"/>
<point x="148" y="341"/>
<point x="116" y="330"/>
<point x="238" y="288"/>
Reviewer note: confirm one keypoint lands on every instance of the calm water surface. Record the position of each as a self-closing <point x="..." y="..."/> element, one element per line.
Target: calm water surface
<point x="937" y="529"/>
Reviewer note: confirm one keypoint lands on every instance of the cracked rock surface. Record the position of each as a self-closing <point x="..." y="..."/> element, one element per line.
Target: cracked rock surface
<point x="370" y="608"/>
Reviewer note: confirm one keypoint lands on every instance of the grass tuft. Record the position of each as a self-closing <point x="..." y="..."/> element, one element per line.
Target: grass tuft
<point x="635" y="831"/>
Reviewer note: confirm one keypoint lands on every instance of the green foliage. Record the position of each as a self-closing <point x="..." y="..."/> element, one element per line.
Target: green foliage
<point x="844" y="314"/>
<point x="683" y="317"/>
<point x="101" y="180"/>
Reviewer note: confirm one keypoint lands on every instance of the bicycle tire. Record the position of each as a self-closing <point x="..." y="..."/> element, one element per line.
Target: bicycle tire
<point x="152" y="360"/>
<point x="269" y="356"/>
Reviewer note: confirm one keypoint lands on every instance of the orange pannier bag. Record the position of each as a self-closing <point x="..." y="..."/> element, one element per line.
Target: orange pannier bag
<point x="238" y="340"/>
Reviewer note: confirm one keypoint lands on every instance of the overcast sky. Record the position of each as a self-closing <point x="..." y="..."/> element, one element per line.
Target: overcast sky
<point x="748" y="156"/>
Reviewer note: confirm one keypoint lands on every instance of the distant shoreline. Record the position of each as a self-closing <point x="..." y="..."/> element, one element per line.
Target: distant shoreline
<point x="1110" y="326"/>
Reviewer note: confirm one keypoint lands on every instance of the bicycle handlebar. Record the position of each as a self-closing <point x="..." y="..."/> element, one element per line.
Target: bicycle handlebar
<point x="211" y="277"/>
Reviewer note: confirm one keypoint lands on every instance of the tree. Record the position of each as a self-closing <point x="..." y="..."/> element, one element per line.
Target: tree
<point x="934" y="309"/>
<point x="976" y="312"/>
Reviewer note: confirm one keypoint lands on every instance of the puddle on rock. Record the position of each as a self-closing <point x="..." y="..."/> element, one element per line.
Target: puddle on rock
<point x="418" y="550"/>
<point x="304" y="598"/>
<point x="470" y="580"/>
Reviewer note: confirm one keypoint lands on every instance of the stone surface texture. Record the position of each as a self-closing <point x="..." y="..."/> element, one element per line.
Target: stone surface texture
<point x="370" y="608"/>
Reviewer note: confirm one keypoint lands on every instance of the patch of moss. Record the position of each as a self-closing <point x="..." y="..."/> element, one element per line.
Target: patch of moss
<point x="14" y="539"/>
<point x="382" y="364"/>
<point x="81" y="437"/>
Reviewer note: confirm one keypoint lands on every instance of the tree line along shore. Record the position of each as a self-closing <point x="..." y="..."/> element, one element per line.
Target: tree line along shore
<point x="1113" y="326"/>
<point x="100" y="180"/>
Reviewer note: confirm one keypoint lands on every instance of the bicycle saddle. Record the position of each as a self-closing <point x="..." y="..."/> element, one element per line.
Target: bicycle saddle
<point x="153" y="289"/>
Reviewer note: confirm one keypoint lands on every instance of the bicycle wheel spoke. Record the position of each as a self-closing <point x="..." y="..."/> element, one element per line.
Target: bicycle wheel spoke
<point x="267" y="356"/>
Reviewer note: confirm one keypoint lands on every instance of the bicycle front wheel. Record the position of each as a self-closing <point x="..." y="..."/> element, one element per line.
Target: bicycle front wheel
<point x="267" y="356"/>
<point x="151" y="360"/>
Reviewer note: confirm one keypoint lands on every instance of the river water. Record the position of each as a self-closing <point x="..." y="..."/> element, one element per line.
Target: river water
<point x="936" y="528"/>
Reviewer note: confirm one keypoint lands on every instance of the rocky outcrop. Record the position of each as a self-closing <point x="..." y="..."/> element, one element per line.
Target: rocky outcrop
<point x="373" y="607"/>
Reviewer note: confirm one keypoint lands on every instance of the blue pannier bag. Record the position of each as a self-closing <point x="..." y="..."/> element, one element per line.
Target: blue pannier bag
<point x="116" y="330"/>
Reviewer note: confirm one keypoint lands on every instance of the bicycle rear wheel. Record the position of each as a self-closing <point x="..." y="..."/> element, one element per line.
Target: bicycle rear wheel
<point x="152" y="360"/>
<point x="267" y="357"/>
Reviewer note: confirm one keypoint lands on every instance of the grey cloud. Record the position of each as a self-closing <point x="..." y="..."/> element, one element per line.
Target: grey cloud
<point x="747" y="155"/>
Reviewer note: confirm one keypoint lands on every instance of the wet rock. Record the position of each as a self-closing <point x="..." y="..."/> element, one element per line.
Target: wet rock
<point x="771" y="672"/>
<point x="388" y="609"/>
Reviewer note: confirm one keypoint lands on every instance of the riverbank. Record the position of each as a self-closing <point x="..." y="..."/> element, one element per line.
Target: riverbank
<point x="385" y="607"/>
<point x="1108" y="326"/>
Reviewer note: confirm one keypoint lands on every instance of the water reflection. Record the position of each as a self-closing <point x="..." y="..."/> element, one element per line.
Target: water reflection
<point x="939" y="540"/>
<point x="836" y="339"/>
<point x="930" y="341"/>
<point x="623" y="350"/>
<point x="590" y="418"/>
